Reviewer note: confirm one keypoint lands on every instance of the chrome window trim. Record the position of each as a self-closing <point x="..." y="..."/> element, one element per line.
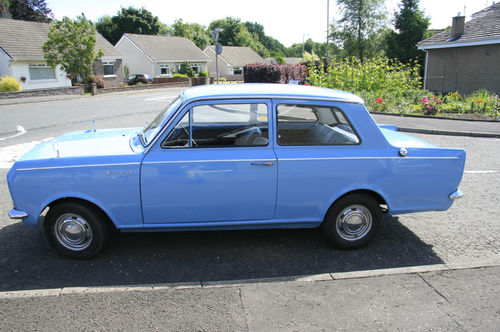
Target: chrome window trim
<point x="76" y="166"/>
<point x="268" y="102"/>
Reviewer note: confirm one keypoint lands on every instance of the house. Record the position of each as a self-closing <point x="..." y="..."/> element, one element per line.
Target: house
<point x="21" y="56"/>
<point x="159" y="56"/>
<point x="231" y="61"/>
<point x="466" y="57"/>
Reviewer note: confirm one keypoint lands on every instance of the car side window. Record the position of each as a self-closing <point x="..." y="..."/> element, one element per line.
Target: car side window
<point x="221" y="125"/>
<point x="313" y="125"/>
<point x="179" y="136"/>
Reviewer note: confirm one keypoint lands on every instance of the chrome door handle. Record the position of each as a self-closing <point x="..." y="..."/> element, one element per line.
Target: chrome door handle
<point x="267" y="163"/>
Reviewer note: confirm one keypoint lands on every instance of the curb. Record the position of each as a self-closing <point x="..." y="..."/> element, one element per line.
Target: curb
<point x="492" y="262"/>
<point x="403" y="115"/>
<point x="447" y="133"/>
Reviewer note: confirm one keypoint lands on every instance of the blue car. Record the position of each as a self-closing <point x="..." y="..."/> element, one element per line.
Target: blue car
<point x="248" y="156"/>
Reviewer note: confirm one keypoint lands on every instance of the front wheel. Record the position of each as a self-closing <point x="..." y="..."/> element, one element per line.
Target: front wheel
<point x="352" y="221"/>
<point x="76" y="230"/>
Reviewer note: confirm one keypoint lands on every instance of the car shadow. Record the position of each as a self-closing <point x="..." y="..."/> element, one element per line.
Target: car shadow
<point x="27" y="261"/>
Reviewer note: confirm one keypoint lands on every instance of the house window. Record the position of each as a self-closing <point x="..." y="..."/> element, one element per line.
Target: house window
<point x="165" y="70"/>
<point x="238" y="71"/>
<point x="40" y="71"/>
<point x="196" y="67"/>
<point x="108" y="68"/>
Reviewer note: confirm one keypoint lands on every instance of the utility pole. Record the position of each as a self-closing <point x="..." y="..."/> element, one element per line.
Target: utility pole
<point x="304" y="43"/>
<point x="327" y="26"/>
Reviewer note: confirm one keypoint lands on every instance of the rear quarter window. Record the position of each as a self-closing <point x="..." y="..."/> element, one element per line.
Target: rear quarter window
<point x="314" y="125"/>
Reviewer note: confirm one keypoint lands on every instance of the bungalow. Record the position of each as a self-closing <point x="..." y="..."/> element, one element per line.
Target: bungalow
<point x="159" y="56"/>
<point x="21" y="56"/>
<point x="466" y="57"/>
<point x="232" y="60"/>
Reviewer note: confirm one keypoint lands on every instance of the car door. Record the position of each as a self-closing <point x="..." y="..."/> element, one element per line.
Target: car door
<point x="215" y="163"/>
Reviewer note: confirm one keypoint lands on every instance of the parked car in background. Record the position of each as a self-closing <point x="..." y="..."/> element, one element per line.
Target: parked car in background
<point x="243" y="156"/>
<point x="139" y="78"/>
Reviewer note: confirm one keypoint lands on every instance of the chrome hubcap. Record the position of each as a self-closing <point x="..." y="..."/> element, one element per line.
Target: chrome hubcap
<point x="73" y="232"/>
<point x="354" y="222"/>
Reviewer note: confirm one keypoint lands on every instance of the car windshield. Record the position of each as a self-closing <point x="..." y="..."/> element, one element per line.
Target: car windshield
<point x="152" y="128"/>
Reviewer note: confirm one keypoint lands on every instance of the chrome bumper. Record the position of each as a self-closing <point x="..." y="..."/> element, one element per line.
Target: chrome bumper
<point x="16" y="214"/>
<point x="456" y="195"/>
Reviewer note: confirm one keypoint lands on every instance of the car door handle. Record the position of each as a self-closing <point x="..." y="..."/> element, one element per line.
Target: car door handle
<point x="267" y="163"/>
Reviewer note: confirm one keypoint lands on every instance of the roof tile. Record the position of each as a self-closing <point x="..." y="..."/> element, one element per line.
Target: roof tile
<point x="163" y="48"/>
<point x="484" y="26"/>
<point x="23" y="40"/>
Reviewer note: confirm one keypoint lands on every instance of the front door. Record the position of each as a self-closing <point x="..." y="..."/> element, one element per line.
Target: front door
<point x="216" y="164"/>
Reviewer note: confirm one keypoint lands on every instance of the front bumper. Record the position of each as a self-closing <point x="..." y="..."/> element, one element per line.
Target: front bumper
<point x="456" y="195"/>
<point x="17" y="214"/>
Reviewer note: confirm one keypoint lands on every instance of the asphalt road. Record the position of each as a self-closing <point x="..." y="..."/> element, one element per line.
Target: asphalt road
<point x="469" y="233"/>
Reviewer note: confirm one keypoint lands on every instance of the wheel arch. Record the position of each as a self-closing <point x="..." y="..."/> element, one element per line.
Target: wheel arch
<point x="78" y="200"/>
<point x="368" y="192"/>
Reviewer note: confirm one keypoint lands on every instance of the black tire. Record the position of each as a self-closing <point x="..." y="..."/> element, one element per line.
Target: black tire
<point x="76" y="230"/>
<point x="352" y="221"/>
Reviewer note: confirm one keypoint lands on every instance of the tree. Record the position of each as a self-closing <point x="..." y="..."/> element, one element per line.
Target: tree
<point x="271" y="44"/>
<point x="412" y="26"/>
<point x="131" y="20"/>
<point x="230" y="28"/>
<point x="358" y="31"/>
<point x="105" y="26"/>
<point x="30" y="10"/>
<point x="196" y="33"/>
<point x="71" y="44"/>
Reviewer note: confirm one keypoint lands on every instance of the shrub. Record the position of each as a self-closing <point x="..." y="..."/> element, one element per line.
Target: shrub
<point x="431" y="106"/>
<point x="376" y="74"/>
<point x="179" y="75"/>
<point x="186" y="69"/>
<point x="9" y="84"/>
<point x="97" y="80"/>
<point x="273" y="73"/>
<point x="203" y="73"/>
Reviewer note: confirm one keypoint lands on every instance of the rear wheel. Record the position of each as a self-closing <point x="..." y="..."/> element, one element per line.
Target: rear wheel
<point x="352" y="221"/>
<point x="76" y="230"/>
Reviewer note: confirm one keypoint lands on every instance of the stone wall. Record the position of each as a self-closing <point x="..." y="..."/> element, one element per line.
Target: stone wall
<point x="69" y="90"/>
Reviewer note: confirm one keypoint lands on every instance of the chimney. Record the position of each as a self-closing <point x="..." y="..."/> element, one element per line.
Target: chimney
<point x="457" y="27"/>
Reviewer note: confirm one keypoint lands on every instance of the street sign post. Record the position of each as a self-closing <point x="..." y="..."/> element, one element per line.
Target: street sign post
<point x="218" y="50"/>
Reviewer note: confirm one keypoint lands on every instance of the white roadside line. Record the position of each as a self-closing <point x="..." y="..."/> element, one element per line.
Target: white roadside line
<point x="159" y="98"/>
<point x="491" y="262"/>
<point x="20" y="131"/>
<point x="481" y="172"/>
<point x="9" y="154"/>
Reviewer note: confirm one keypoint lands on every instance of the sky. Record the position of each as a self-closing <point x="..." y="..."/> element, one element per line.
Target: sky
<point x="289" y="21"/>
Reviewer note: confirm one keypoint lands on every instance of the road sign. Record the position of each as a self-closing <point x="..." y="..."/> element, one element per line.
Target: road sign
<point x="218" y="48"/>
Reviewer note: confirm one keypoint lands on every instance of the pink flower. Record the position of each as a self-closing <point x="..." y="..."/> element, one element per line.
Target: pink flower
<point x="379" y="100"/>
<point x="425" y="100"/>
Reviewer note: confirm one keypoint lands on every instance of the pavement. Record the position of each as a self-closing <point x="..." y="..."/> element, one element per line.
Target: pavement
<point x="389" y="300"/>
<point x="439" y="126"/>
<point x="459" y="295"/>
